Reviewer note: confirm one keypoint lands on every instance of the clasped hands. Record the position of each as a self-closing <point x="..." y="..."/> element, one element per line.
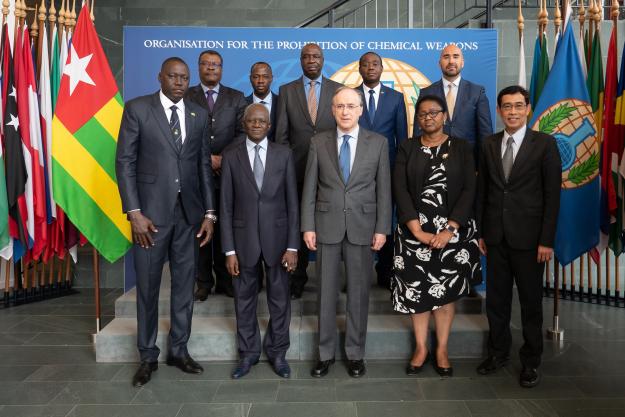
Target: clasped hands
<point x="434" y="241"/>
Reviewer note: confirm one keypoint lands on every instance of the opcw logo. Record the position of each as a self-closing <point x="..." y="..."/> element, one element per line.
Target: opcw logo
<point x="572" y="123"/>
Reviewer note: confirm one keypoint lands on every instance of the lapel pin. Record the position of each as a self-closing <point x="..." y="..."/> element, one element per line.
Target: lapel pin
<point x="192" y="114"/>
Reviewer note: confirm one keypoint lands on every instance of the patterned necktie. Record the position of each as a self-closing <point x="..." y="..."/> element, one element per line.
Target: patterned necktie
<point x="174" y="125"/>
<point x="209" y="100"/>
<point x="259" y="171"/>
<point x="451" y="100"/>
<point x="312" y="102"/>
<point x="371" y="105"/>
<point x="508" y="158"/>
<point x="344" y="158"/>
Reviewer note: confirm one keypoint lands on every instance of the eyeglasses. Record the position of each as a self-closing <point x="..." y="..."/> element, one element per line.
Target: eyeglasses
<point x="208" y="64"/>
<point x="515" y="106"/>
<point x="350" y="107"/>
<point x="432" y="114"/>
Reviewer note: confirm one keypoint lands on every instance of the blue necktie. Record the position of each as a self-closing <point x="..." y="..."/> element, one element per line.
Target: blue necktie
<point x="371" y="105"/>
<point x="344" y="157"/>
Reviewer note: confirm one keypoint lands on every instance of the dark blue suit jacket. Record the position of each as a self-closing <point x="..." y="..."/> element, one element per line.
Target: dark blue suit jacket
<point x="471" y="119"/>
<point x="390" y="118"/>
<point x="272" y="116"/>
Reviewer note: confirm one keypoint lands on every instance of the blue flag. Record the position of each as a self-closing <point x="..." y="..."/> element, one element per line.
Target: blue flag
<point x="564" y="111"/>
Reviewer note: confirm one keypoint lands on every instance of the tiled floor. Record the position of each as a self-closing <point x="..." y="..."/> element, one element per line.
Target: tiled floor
<point x="47" y="368"/>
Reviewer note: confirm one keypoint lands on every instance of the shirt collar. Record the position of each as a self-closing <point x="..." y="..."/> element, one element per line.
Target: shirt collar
<point x="353" y="133"/>
<point x="215" y="89"/>
<point x="377" y="89"/>
<point x="517" y="136"/>
<point x="446" y="83"/>
<point x="308" y="80"/>
<point x="250" y="145"/>
<point x="167" y="103"/>
<point x="267" y="99"/>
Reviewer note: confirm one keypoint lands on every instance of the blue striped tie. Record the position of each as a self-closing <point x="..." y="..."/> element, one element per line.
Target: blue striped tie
<point x="344" y="158"/>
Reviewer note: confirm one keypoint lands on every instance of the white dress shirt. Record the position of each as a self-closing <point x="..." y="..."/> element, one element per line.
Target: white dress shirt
<point x="353" y="142"/>
<point x="376" y="94"/>
<point x="517" y="137"/>
<point x="267" y="101"/>
<point x="167" y="103"/>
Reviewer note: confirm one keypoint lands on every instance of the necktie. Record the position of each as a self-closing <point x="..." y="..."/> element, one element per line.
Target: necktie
<point x="259" y="171"/>
<point x="174" y="125"/>
<point x="508" y="158"/>
<point x="312" y="101"/>
<point x="209" y="100"/>
<point x="371" y="105"/>
<point x="344" y="158"/>
<point x="451" y="100"/>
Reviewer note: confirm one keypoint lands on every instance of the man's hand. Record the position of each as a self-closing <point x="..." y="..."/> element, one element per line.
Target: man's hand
<point x="378" y="241"/>
<point x="142" y="229"/>
<point x="441" y="239"/>
<point x="206" y="230"/>
<point x="232" y="265"/>
<point x="289" y="260"/>
<point x="482" y="246"/>
<point x="216" y="163"/>
<point x="544" y="254"/>
<point x="310" y="239"/>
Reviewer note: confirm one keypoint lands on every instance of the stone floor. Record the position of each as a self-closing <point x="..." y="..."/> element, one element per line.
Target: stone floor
<point x="47" y="368"/>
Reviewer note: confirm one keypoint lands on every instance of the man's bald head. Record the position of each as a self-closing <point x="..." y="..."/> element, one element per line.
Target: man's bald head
<point x="451" y="62"/>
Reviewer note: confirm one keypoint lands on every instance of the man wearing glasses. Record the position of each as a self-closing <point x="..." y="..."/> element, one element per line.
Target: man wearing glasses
<point x="346" y="215"/>
<point x="225" y="114"/>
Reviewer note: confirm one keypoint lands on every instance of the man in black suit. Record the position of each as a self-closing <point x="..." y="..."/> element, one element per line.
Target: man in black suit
<point x="519" y="184"/>
<point x="225" y="112"/>
<point x="259" y="208"/>
<point x="165" y="183"/>
<point x="304" y="109"/>
<point x="261" y="78"/>
<point x="385" y="113"/>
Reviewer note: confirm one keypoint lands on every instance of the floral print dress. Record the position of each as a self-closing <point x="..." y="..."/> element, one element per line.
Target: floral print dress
<point x="426" y="279"/>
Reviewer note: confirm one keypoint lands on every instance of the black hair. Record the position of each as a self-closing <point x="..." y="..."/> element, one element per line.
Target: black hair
<point x="513" y="89"/>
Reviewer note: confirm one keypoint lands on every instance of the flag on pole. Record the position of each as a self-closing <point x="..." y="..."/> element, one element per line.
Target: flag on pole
<point x="522" y="76"/>
<point x="540" y="68"/>
<point x="619" y="120"/>
<point x="85" y="127"/>
<point x="6" y="243"/>
<point x="564" y="111"/>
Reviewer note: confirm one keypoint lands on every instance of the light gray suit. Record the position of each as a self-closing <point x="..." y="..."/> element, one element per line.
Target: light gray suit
<point x="345" y="218"/>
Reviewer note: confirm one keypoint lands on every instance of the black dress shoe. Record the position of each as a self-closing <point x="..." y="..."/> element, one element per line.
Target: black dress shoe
<point x="356" y="369"/>
<point x="529" y="377"/>
<point x="186" y="364"/>
<point x="414" y="370"/>
<point x="243" y="367"/>
<point x="144" y="373"/>
<point x="444" y="372"/>
<point x="321" y="368"/>
<point x="491" y="364"/>
<point x="227" y="291"/>
<point x="281" y="368"/>
<point x="201" y="294"/>
<point x="296" y="291"/>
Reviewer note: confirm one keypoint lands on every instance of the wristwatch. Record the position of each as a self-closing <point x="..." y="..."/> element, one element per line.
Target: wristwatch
<point x="211" y="217"/>
<point x="451" y="229"/>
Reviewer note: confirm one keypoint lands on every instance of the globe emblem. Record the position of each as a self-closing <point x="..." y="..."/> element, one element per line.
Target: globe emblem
<point x="572" y="123"/>
<point x="397" y="75"/>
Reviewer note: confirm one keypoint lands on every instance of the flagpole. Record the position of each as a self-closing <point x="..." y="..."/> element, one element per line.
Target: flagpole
<point x="557" y="21"/>
<point x="555" y="333"/>
<point x="61" y="20"/>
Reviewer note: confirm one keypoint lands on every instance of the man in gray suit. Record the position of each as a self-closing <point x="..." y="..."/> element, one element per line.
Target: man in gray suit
<point x="260" y="222"/>
<point x="304" y="109"/>
<point x="165" y="183"/>
<point x="346" y="214"/>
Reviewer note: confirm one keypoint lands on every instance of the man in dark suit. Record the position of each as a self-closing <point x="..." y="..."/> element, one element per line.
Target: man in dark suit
<point x="261" y="78"/>
<point x="304" y="109"/>
<point x="346" y="215"/>
<point x="385" y="114"/>
<point x="259" y="208"/>
<point x="519" y="184"/>
<point x="467" y="104"/>
<point x="165" y="183"/>
<point x="225" y="112"/>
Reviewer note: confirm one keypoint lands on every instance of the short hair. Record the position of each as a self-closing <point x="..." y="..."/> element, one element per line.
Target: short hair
<point x="431" y="97"/>
<point x="513" y="89"/>
<point x="316" y="45"/>
<point x="344" y="88"/>
<point x="260" y="63"/>
<point x="173" y="59"/>
<point x="250" y="107"/>
<point x="369" y="53"/>
<point x="210" y="52"/>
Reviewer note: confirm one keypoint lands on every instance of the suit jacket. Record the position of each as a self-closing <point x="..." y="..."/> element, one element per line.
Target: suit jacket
<point x="523" y="211"/>
<point x="411" y="169"/>
<point x="293" y="124"/>
<point x="225" y="123"/>
<point x="390" y="118"/>
<point x="359" y="208"/>
<point x="150" y="171"/>
<point x="253" y="221"/>
<point x="272" y="115"/>
<point x="471" y="119"/>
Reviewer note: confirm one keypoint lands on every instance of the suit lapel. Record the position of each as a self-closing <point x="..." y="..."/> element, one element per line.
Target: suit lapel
<point x="495" y="149"/>
<point x="362" y="147"/>
<point x="161" y="119"/>
<point x="365" y="113"/>
<point x="301" y="97"/>
<point x="325" y="97"/>
<point x="270" y="165"/>
<point x="331" y="147"/>
<point x="461" y="93"/>
<point x="189" y="123"/>
<point x="523" y="152"/>
<point x="244" y="160"/>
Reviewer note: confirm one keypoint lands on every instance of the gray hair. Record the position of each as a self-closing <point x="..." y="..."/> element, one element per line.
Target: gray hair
<point x="251" y="107"/>
<point x="344" y="88"/>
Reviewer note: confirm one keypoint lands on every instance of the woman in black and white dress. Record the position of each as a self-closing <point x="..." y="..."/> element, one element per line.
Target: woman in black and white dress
<point x="436" y="250"/>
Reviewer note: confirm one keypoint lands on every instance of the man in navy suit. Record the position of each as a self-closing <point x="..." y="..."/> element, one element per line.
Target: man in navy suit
<point x="259" y="208"/>
<point x="385" y="114"/>
<point x="261" y="77"/>
<point x="467" y="104"/>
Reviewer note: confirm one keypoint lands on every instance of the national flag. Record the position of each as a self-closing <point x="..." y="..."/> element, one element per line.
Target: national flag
<point x="616" y="231"/>
<point x="540" y="68"/>
<point x="522" y="76"/>
<point x="6" y="243"/>
<point x="85" y="126"/>
<point x="564" y="110"/>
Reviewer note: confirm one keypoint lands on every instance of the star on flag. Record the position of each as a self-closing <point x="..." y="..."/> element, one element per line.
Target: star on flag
<point x="76" y="70"/>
